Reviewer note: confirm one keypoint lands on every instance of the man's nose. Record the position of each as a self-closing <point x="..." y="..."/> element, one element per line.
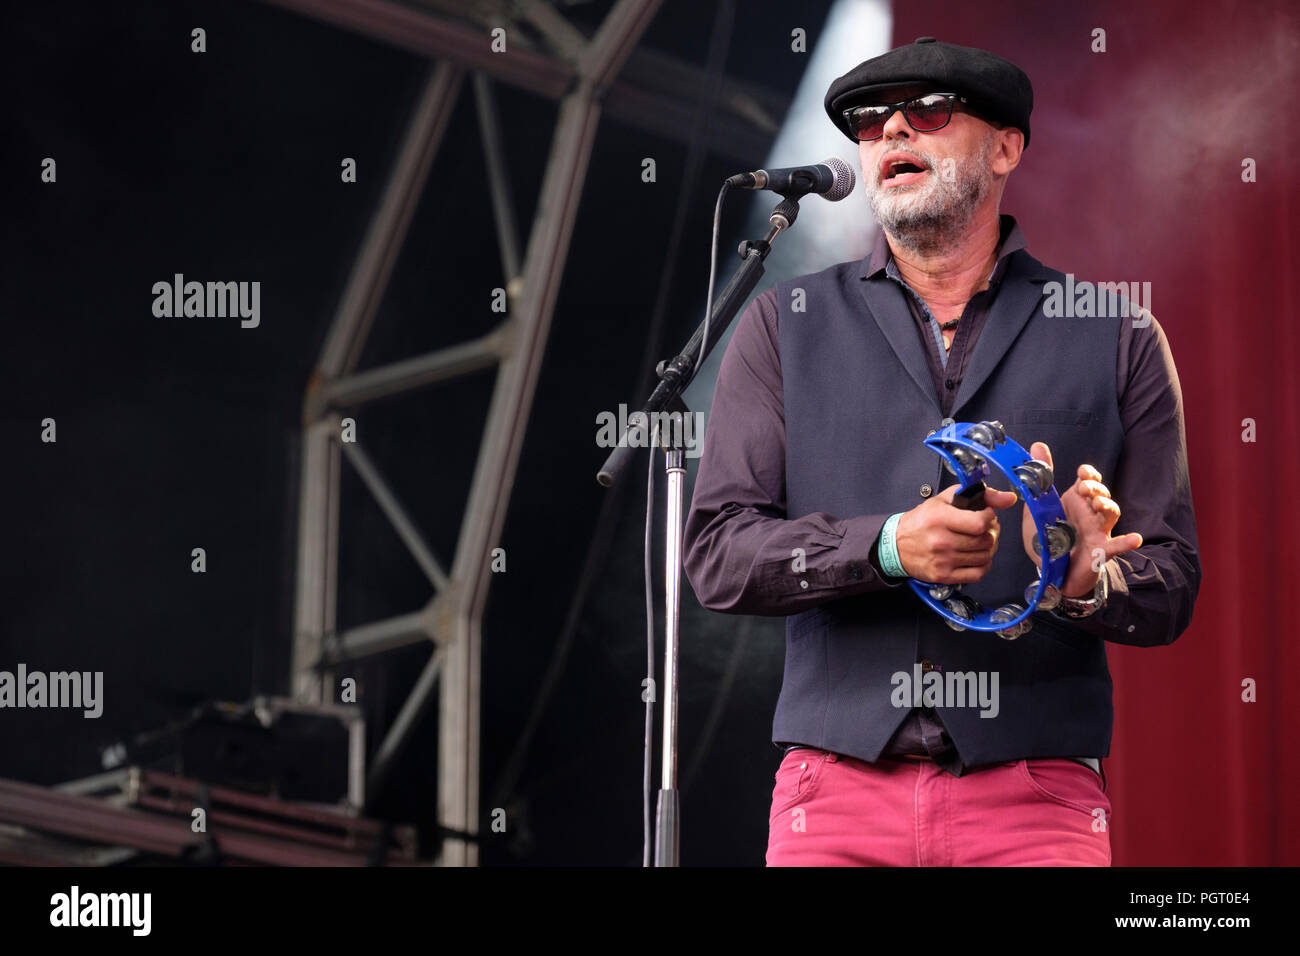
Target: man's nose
<point x="897" y="125"/>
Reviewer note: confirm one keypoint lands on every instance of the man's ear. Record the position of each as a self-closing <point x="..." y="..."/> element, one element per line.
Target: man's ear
<point x="1008" y="144"/>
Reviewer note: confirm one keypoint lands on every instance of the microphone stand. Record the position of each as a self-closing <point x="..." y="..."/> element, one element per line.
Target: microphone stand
<point x="665" y="405"/>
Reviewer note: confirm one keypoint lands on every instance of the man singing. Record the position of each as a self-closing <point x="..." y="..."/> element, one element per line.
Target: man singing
<point x="817" y="499"/>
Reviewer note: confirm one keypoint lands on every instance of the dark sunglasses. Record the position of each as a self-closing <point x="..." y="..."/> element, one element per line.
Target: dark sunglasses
<point x="925" y="114"/>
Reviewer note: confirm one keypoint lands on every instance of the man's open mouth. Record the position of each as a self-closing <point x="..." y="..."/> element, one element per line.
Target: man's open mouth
<point x="902" y="168"/>
<point x="899" y="169"/>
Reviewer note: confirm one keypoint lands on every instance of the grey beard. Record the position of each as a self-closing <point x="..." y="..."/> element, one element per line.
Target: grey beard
<point x="942" y="216"/>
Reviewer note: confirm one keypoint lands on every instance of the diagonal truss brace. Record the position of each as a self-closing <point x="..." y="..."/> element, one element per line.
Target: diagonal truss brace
<point x="453" y="617"/>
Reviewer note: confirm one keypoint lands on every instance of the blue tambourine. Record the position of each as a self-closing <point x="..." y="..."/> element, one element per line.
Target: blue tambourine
<point x="971" y="449"/>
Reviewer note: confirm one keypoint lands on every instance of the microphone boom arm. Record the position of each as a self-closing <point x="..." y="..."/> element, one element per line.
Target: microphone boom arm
<point x="676" y="374"/>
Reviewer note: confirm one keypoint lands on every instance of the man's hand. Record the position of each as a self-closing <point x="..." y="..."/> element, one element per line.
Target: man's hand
<point x="942" y="544"/>
<point x="1090" y="508"/>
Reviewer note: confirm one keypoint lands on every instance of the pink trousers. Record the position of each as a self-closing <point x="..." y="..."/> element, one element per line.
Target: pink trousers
<point x="832" y="810"/>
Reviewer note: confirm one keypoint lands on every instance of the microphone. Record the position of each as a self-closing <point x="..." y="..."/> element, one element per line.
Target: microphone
<point x="831" y="178"/>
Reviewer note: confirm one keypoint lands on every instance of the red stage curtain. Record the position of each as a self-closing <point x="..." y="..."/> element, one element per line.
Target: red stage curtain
<point x="1135" y="174"/>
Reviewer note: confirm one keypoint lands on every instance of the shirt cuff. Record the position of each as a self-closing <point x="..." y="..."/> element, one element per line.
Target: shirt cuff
<point x="861" y="539"/>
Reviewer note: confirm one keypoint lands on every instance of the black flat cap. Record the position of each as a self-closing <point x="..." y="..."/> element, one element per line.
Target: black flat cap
<point x="992" y="86"/>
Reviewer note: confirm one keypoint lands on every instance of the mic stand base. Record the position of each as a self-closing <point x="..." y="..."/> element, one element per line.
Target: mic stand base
<point x="667" y="828"/>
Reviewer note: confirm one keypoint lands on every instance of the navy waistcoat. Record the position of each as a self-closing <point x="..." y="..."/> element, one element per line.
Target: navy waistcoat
<point x="859" y="402"/>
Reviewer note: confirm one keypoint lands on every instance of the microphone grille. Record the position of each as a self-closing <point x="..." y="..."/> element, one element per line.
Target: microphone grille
<point x="844" y="179"/>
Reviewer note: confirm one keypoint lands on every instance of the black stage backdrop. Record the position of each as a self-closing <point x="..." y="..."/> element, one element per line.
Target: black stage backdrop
<point x="177" y="433"/>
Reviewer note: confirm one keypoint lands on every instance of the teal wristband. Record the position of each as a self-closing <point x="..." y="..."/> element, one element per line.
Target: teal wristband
<point x="888" y="550"/>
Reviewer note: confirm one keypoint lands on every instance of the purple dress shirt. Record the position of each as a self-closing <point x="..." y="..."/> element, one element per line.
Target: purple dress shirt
<point x="740" y="499"/>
